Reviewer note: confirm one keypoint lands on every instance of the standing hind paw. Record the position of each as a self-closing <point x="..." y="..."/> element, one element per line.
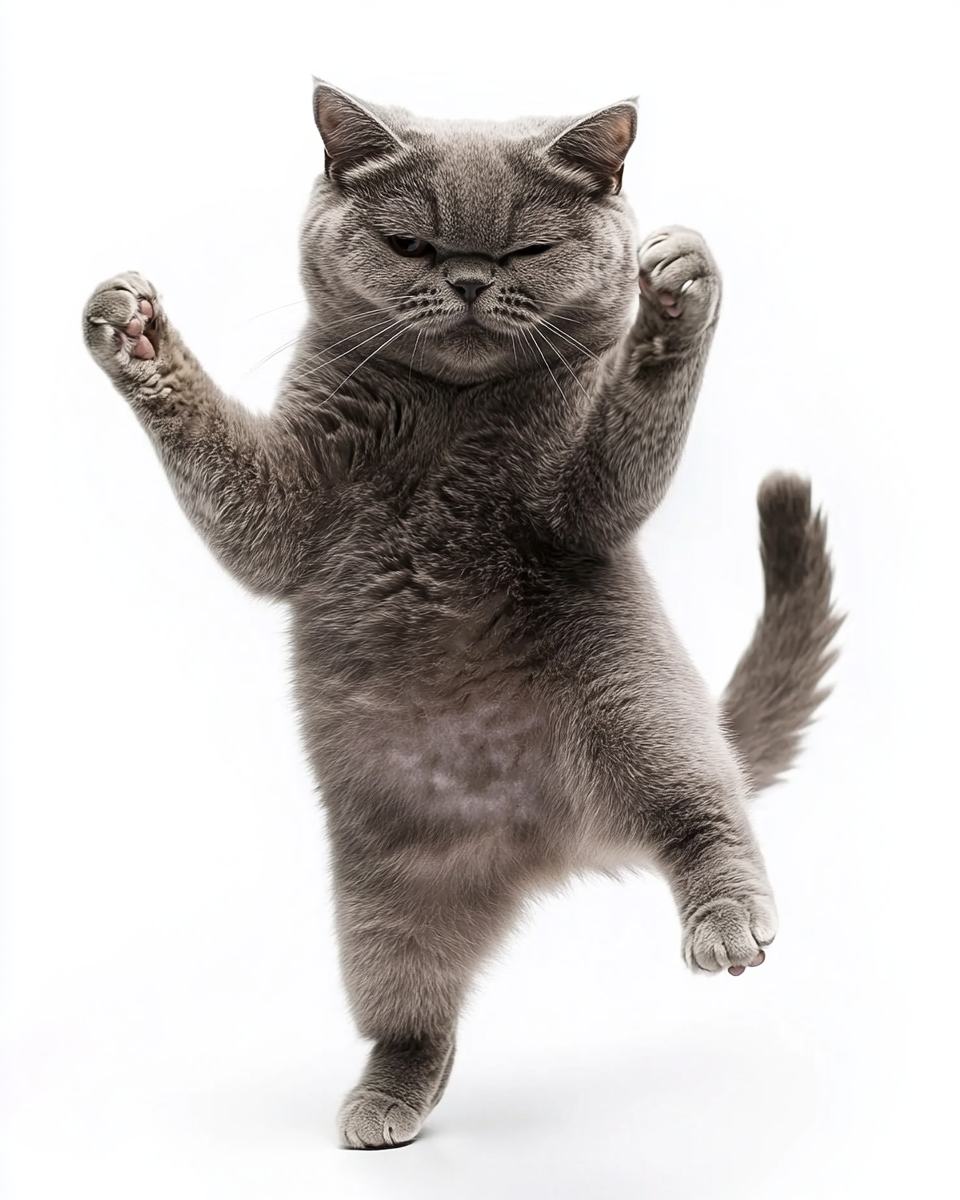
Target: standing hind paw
<point x="371" y="1120"/>
<point x="121" y="326"/>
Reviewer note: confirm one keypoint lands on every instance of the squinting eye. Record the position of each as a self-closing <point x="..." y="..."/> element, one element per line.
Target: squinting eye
<point x="409" y="247"/>
<point x="537" y="249"/>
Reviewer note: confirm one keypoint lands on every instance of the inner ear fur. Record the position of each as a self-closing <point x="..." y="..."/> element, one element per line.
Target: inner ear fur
<point x="598" y="144"/>
<point x="352" y="134"/>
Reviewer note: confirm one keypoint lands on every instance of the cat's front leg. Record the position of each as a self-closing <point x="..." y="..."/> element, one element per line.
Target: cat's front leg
<point x="628" y="447"/>
<point x="680" y="293"/>
<point x="127" y="333"/>
<point x="244" y="481"/>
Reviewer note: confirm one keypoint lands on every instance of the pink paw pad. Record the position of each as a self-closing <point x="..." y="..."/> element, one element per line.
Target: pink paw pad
<point x="142" y="347"/>
<point x="664" y="300"/>
<point x="756" y="963"/>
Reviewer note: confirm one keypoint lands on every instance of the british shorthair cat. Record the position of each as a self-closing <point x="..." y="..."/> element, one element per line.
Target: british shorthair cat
<point x="489" y="398"/>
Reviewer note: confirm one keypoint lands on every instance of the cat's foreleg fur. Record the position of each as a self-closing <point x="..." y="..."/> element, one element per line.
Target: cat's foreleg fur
<point x="242" y="481"/>
<point x="629" y="446"/>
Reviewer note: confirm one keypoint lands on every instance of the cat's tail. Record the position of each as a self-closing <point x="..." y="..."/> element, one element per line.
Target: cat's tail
<point x="776" y="687"/>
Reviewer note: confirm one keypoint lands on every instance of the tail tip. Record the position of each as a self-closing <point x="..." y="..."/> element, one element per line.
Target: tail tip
<point x="784" y="498"/>
<point x="792" y="536"/>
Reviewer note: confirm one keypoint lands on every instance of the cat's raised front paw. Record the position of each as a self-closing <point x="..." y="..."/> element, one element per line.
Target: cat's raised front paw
<point x="372" y="1120"/>
<point x="678" y="277"/>
<point x="121" y="325"/>
<point x="729" y="933"/>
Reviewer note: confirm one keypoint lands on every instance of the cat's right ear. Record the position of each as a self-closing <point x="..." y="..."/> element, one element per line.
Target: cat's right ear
<point x="352" y="135"/>
<point x="595" y="146"/>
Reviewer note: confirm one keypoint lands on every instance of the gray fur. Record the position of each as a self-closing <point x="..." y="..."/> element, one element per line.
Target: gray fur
<point x="491" y="695"/>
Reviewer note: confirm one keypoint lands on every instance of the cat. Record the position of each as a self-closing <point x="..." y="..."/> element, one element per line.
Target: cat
<point x="489" y="398"/>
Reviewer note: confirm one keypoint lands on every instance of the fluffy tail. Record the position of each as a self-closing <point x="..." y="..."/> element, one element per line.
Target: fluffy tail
<point x="776" y="687"/>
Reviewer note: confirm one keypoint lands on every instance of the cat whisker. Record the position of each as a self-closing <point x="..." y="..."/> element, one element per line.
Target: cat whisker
<point x="293" y="341"/>
<point x="572" y="320"/>
<point x="374" y="325"/>
<point x="414" y="354"/>
<point x="422" y="352"/>
<point x="369" y="312"/>
<point x="273" y="353"/>
<point x="531" y="336"/>
<point x="279" y="308"/>
<point x="312" y="366"/>
<point x="343" y="320"/>
<point x="568" y="338"/>
<point x="382" y="346"/>
<point x="570" y="369"/>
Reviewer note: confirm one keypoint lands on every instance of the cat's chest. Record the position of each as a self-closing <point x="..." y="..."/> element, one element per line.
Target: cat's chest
<point x="463" y="463"/>
<point x="433" y="545"/>
<point x="437" y="681"/>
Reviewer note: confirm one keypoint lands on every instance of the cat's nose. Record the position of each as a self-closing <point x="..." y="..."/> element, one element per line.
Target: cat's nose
<point x="469" y="289"/>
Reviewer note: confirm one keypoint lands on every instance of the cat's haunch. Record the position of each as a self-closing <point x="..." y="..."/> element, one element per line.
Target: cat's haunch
<point x="490" y="396"/>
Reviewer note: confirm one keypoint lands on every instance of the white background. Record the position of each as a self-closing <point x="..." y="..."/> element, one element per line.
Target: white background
<point x="173" y="1024"/>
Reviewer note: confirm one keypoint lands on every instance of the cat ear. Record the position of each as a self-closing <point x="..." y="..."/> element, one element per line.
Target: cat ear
<point x="351" y="134"/>
<point x="598" y="144"/>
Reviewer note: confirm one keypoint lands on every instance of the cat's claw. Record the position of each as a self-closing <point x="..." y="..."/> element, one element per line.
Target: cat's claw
<point x="121" y="324"/>
<point x="678" y="276"/>
<point x="729" y="934"/>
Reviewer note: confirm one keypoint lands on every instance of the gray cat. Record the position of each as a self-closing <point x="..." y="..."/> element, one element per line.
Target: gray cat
<point x="475" y="424"/>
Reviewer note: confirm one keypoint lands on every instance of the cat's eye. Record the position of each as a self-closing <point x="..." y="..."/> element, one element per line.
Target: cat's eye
<point x="538" y="248"/>
<point x="409" y="247"/>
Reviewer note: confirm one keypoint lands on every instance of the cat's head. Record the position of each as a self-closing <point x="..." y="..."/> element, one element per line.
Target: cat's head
<point x="470" y="249"/>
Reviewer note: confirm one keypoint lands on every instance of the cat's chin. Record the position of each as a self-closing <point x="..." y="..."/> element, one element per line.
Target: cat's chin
<point x="468" y="353"/>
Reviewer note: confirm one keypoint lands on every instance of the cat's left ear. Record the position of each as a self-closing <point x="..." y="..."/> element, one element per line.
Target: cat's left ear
<point x="598" y="144"/>
<point x="352" y="134"/>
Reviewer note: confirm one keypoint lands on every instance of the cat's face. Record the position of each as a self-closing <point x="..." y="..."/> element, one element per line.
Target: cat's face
<point x="469" y="250"/>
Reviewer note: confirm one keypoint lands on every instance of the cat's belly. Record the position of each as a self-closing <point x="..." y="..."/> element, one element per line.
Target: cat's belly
<point x="440" y="716"/>
<point x="482" y="763"/>
<point x="439" y="701"/>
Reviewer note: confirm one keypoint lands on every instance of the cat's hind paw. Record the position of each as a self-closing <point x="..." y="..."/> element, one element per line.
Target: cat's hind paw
<point x="729" y="934"/>
<point x="371" y="1120"/>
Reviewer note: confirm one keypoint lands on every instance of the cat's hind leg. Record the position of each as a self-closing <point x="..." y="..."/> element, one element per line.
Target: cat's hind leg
<point x="402" y="1083"/>
<point x="666" y="788"/>
<point x="724" y="898"/>
<point x="696" y="832"/>
<point x="695" y="825"/>
<point x="415" y="923"/>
